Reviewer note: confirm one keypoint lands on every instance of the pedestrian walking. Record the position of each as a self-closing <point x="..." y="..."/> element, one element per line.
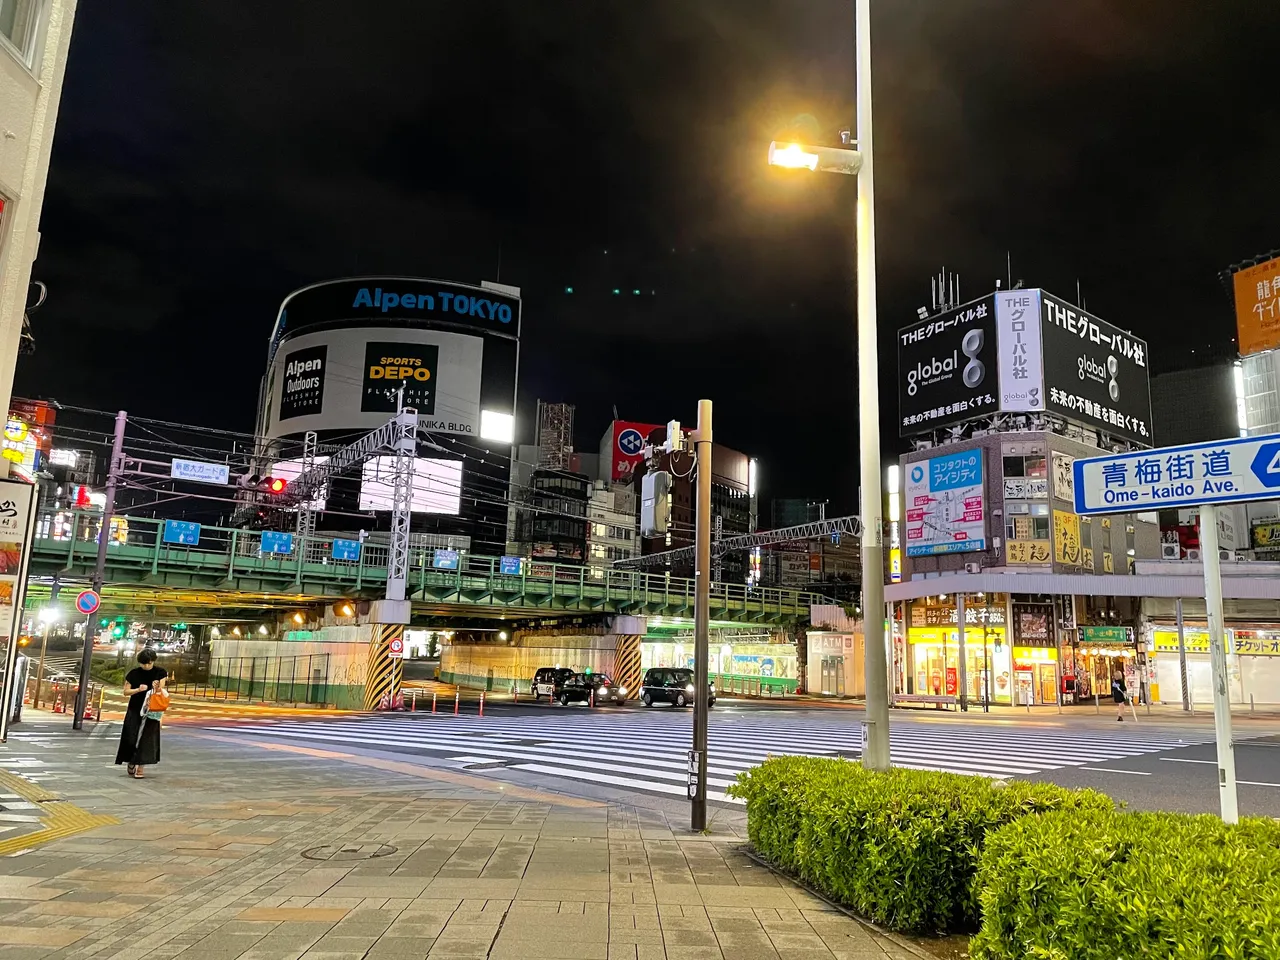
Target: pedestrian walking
<point x="140" y="736"/>
<point x="1119" y="693"/>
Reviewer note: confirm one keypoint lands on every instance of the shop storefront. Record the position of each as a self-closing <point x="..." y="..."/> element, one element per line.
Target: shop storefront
<point x="1253" y="663"/>
<point x="1035" y="654"/>
<point x="935" y="662"/>
<point x="1092" y="658"/>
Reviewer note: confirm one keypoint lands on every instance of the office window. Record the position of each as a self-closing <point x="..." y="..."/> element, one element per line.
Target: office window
<point x="18" y="23"/>
<point x="1024" y="467"/>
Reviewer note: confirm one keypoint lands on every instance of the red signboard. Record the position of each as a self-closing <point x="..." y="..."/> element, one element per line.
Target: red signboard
<point x="624" y="443"/>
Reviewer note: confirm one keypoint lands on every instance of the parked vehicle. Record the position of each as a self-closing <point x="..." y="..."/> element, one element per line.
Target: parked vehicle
<point x="580" y="687"/>
<point x="547" y="682"/>
<point x="672" y="685"/>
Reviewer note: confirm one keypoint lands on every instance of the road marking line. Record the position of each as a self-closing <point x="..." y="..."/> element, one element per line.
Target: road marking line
<point x="1185" y="760"/>
<point x="1136" y="773"/>
<point x="1258" y="783"/>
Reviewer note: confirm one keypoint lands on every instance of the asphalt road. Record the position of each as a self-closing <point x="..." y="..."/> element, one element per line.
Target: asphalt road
<point x="1158" y="765"/>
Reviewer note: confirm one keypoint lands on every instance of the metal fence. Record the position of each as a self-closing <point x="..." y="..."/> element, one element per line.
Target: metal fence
<point x="291" y="680"/>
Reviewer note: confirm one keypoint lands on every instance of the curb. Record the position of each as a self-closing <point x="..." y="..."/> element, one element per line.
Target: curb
<point x="897" y="939"/>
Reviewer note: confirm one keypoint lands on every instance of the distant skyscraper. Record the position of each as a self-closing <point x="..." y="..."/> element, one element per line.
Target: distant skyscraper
<point x="555" y="434"/>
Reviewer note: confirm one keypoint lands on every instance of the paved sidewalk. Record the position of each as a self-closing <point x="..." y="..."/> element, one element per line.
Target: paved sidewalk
<point x="230" y="851"/>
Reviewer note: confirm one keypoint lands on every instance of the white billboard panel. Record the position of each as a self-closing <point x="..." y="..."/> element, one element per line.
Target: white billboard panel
<point x="946" y="510"/>
<point x="1021" y="363"/>
<point x="437" y="485"/>
<point x="350" y="379"/>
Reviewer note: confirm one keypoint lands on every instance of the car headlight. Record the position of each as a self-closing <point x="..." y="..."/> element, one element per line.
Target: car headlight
<point x="622" y="691"/>
<point x="604" y="691"/>
<point x="689" y="688"/>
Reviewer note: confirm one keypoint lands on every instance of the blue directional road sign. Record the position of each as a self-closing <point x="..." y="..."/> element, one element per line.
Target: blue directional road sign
<point x="181" y="531"/>
<point x="1229" y="471"/>
<point x="277" y="542"/>
<point x="511" y="565"/>
<point x="346" y="549"/>
<point x="446" y="560"/>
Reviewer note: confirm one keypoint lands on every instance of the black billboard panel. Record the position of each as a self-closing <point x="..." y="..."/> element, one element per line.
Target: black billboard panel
<point x="1094" y="372"/>
<point x="388" y="367"/>
<point x="947" y="368"/>
<point x="303" y="391"/>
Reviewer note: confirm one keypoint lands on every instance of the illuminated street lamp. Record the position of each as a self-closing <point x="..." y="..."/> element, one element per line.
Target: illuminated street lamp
<point x="855" y="159"/>
<point x="47" y="616"/>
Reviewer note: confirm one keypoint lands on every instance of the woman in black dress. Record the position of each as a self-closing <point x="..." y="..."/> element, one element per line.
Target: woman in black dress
<point x="1119" y="693"/>
<point x="140" y="739"/>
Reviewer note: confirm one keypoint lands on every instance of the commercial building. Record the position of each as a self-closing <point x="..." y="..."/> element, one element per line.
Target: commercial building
<point x="1001" y="396"/>
<point x="34" y="39"/>
<point x="613" y="533"/>
<point x="345" y="353"/>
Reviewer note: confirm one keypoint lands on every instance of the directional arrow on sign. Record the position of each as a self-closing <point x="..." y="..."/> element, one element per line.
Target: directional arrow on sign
<point x="1266" y="464"/>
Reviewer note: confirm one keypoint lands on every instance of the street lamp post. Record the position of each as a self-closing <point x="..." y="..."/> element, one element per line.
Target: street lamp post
<point x="875" y="755"/>
<point x="48" y="616"/>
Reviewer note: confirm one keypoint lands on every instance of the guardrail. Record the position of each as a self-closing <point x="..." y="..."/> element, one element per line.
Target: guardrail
<point x="293" y="680"/>
<point x="138" y="554"/>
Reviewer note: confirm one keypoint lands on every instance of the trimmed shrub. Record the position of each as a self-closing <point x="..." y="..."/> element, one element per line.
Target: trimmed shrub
<point x="1113" y="886"/>
<point x="900" y="848"/>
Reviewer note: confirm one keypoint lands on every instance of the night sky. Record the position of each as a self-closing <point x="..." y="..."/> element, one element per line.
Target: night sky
<point x="212" y="157"/>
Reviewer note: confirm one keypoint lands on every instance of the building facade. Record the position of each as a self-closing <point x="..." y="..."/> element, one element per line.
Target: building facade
<point x="34" y="39"/>
<point x="613" y="533"/>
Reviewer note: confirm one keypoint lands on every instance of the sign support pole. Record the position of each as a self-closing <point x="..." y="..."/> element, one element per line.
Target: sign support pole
<point x="1218" y="662"/>
<point x="963" y="672"/>
<point x="1182" y="661"/>
<point x="701" y="619"/>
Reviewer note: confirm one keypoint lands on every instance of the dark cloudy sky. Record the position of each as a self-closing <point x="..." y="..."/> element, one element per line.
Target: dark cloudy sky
<point x="211" y="157"/>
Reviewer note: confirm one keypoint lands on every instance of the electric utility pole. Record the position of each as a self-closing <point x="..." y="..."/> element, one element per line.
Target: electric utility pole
<point x="701" y="618"/>
<point x="100" y="569"/>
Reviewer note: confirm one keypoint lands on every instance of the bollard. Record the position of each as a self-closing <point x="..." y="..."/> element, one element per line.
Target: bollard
<point x="413" y="702"/>
<point x="591" y="700"/>
<point x="433" y="702"/>
<point x="457" y="698"/>
<point x="102" y="695"/>
<point x="482" y="703"/>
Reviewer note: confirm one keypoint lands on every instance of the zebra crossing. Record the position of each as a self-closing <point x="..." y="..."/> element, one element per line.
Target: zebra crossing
<point x="647" y="752"/>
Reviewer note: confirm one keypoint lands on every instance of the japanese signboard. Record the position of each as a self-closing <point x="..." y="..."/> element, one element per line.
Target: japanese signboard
<point x="1063" y="482"/>
<point x="1026" y="488"/>
<point x="1257" y="296"/>
<point x="946" y="510"/>
<point x="1021" y="364"/>
<point x="1104" y="634"/>
<point x="1229" y="471"/>
<point x="1027" y="551"/>
<point x="1095" y="373"/>
<point x="1266" y="536"/>
<point x="946" y="368"/>
<point x="1066" y="539"/>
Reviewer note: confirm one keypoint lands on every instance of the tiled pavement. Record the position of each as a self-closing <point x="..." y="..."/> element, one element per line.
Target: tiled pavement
<point x="232" y="851"/>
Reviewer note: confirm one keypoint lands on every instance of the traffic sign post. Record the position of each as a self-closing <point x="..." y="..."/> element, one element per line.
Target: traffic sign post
<point x="88" y="601"/>
<point x="395" y="648"/>
<point x="1195" y="475"/>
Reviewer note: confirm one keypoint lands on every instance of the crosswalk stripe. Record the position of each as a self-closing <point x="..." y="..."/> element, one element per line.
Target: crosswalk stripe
<point x="648" y="753"/>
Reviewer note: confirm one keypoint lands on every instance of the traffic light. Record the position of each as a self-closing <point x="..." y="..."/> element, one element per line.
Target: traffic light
<point x="276" y="485"/>
<point x="263" y="483"/>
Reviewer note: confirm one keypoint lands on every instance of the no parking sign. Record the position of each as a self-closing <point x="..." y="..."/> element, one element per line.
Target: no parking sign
<point x="88" y="601"/>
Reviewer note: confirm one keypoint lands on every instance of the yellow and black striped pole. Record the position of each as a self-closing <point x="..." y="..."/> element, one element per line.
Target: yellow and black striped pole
<point x="385" y="673"/>
<point x="626" y="662"/>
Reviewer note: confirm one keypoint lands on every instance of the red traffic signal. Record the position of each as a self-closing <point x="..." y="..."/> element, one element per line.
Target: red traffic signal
<point x="275" y="485"/>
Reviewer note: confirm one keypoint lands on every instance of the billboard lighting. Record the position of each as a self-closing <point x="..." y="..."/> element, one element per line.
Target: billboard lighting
<point x="500" y="427"/>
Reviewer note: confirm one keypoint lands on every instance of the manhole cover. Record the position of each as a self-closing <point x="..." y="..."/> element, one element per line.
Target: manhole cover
<point x="349" y="851"/>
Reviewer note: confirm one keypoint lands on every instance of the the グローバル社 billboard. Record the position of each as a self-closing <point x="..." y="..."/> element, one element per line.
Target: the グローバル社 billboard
<point x="945" y="506"/>
<point x="947" y="368"/>
<point x="351" y="379"/>
<point x="1094" y="372"/>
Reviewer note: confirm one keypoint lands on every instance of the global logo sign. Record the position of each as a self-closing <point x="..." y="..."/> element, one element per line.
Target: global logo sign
<point x="630" y="442"/>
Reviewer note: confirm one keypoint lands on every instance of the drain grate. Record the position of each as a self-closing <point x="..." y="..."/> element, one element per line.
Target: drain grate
<point x="349" y="851"/>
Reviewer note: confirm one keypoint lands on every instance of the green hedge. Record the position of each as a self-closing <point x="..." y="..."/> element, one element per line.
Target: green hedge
<point x="901" y="847"/>
<point x="1117" y="886"/>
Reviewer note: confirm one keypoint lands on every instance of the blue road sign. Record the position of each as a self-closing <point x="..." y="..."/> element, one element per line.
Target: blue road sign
<point x="446" y="560"/>
<point x="1228" y="471"/>
<point x="273" y="542"/>
<point x="346" y="549"/>
<point x="181" y="531"/>
<point x="87" y="601"/>
<point x="511" y="565"/>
